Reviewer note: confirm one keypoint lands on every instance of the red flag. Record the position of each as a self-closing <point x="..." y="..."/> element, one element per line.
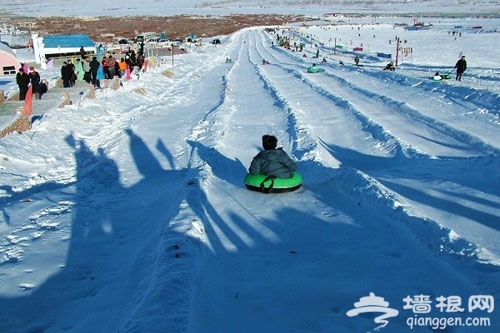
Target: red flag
<point x="28" y="102"/>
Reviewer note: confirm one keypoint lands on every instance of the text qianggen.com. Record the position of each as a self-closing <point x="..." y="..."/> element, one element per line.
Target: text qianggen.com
<point x="441" y="323"/>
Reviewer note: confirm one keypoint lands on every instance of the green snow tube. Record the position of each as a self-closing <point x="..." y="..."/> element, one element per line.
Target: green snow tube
<point x="313" y="69"/>
<point x="267" y="184"/>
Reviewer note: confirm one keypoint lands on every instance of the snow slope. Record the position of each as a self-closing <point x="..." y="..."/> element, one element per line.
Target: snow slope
<point x="127" y="213"/>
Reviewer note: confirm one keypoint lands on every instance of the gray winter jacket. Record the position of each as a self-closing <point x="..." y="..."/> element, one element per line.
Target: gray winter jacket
<point x="274" y="162"/>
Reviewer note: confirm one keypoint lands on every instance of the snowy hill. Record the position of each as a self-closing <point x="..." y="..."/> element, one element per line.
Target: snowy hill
<point x="128" y="213"/>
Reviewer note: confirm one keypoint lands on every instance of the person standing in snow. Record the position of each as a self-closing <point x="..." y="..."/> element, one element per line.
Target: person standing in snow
<point x="79" y="70"/>
<point x="83" y="54"/>
<point x="35" y="81"/>
<point x="356" y="60"/>
<point x="23" y="81"/>
<point x="111" y="62"/>
<point x="122" y="65"/>
<point x="66" y="75"/>
<point x="71" y="73"/>
<point x="272" y="161"/>
<point x="94" y="66"/>
<point x="461" y="66"/>
<point x="86" y="70"/>
<point x="100" y="75"/>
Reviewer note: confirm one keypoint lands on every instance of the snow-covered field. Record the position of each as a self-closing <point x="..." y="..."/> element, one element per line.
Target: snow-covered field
<point x="128" y="212"/>
<point x="227" y="7"/>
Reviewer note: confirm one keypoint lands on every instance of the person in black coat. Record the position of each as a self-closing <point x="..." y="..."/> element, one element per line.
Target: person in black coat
<point x="94" y="66"/>
<point x="66" y="73"/>
<point x="23" y="81"/>
<point x="35" y="81"/>
<point x="83" y="54"/>
<point x="71" y="73"/>
<point x="461" y="66"/>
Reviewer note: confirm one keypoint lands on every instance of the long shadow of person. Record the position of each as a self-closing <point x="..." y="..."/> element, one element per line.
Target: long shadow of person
<point x="78" y="279"/>
<point x="231" y="171"/>
<point x="105" y="220"/>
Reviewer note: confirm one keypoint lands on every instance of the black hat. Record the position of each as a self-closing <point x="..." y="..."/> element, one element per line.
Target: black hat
<point x="269" y="142"/>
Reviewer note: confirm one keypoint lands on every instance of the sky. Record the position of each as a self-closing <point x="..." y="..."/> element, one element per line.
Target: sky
<point x="128" y="212"/>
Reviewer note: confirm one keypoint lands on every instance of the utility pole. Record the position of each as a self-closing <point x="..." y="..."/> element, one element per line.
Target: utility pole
<point x="397" y="51"/>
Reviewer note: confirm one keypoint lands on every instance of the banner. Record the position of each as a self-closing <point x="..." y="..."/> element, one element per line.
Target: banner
<point x="28" y="101"/>
<point x="384" y="55"/>
<point x="407" y="51"/>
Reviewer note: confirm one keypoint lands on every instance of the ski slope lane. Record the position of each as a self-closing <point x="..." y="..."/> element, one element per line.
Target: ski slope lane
<point x="426" y="143"/>
<point x="280" y="248"/>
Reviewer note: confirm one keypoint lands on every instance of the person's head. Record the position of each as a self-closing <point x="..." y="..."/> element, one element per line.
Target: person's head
<point x="437" y="74"/>
<point x="269" y="142"/>
<point x="21" y="70"/>
<point x="463" y="57"/>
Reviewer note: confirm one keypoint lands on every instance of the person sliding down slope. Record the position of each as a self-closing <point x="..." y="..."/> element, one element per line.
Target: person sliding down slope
<point x="272" y="161"/>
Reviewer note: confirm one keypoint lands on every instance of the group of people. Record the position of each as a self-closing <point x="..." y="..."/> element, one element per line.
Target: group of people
<point x="273" y="161"/>
<point x="25" y="80"/>
<point x="460" y="66"/>
<point x="85" y="68"/>
<point x="93" y="69"/>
